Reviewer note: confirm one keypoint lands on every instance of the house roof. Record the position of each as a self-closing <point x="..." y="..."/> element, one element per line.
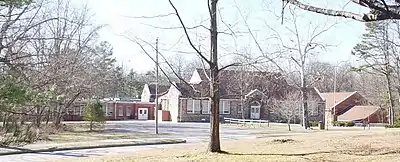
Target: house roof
<point x="188" y="91"/>
<point x="338" y="96"/>
<point x="315" y="94"/>
<point x="358" y="113"/>
<point x="162" y="89"/>
<point x="230" y="81"/>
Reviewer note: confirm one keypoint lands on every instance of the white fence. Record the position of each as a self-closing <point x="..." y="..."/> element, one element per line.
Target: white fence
<point x="246" y="121"/>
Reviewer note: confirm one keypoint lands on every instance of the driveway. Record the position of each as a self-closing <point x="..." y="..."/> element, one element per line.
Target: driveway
<point x="192" y="132"/>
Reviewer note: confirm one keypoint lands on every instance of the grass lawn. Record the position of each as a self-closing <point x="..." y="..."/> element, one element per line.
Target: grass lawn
<point x="90" y="136"/>
<point x="77" y="135"/>
<point x="336" y="145"/>
<point x="80" y="133"/>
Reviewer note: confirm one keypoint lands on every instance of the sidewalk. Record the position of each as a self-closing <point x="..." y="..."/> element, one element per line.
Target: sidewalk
<point x="49" y="147"/>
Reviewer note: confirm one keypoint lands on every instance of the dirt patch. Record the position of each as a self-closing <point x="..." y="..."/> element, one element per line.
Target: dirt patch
<point x="283" y="140"/>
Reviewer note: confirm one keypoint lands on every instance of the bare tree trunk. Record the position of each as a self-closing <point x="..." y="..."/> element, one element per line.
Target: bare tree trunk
<point x="214" y="145"/>
<point x="91" y="126"/>
<point x="389" y="89"/>
<point x="57" y="115"/>
<point x="288" y="123"/>
<point x="387" y="75"/>
<point x="304" y="98"/>
<point x="5" y="118"/>
<point x="39" y="116"/>
<point x="48" y="116"/>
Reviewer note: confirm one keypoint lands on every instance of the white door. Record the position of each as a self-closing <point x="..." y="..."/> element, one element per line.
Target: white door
<point x="143" y="113"/>
<point x="255" y="112"/>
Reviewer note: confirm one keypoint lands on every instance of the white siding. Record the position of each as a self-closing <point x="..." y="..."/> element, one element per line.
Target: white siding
<point x="145" y="97"/>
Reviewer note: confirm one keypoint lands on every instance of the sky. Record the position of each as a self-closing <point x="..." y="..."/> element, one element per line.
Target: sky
<point x="125" y="19"/>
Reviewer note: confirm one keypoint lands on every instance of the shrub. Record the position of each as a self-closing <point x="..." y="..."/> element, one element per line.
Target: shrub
<point x="395" y="125"/>
<point x="313" y="123"/>
<point x="94" y="114"/>
<point x="392" y="126"/>
<point x="343" y="123"/>
<point x="350" y="124"/>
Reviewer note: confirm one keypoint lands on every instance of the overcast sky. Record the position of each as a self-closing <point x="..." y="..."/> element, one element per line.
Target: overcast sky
<point x="260" y="15"/>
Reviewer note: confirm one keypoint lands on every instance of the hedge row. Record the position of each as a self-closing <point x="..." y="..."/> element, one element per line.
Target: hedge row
<point x="344" y="123"/>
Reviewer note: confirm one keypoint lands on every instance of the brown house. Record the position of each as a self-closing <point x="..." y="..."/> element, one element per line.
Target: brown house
<point x="243" y="94"/>
<point x="364" y="114"/>
<point x="351" y="106"/>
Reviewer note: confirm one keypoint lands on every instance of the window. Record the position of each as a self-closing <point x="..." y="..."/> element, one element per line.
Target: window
<point x="206" y="107"/>
<point x="238" y="106"/>
<point x="196" y="106"/>
<point x="82" y="110"/>
<point x="76" y="110"/>
<point x="224" y="107"/>
<point x="128" y="111"/>
<point x="193" y="106"/>
<point x="120" y="111"/>
<point x="189" y="106"/>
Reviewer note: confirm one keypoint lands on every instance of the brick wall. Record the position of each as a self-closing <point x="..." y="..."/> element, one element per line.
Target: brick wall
<point x="188" y="117"/>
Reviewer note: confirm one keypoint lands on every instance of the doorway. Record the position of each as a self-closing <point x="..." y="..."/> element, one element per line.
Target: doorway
<point x="255" y="112"/>
<point x="143" y="113"/>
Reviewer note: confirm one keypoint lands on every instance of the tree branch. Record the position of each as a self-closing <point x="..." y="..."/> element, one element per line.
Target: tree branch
<point x="187" y="34"/>
<point x="162" y="70"/>
<point x="378" y="10"/>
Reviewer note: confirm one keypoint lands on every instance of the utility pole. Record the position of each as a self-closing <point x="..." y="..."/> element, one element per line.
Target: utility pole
<point x="241" y="91"/>
<point x="334" y="94"/>
<point x="156" y="107"/>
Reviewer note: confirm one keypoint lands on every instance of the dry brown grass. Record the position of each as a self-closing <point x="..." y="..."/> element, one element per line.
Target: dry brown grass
<point x="91" y="136"/>
<point x="357" y="145"/>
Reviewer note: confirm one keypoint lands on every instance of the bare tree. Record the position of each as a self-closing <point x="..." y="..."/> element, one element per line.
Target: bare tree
<point x="48" y="52"/>
<point x="288" y="106"/>
<point x="346" y="79"/>
<point x="303" y="49"/>
<point x="211" y="63"/>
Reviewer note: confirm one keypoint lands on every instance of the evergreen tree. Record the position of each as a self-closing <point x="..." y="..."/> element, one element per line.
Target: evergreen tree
<point x="94" y="113"/>
<point x="375" y="54"/>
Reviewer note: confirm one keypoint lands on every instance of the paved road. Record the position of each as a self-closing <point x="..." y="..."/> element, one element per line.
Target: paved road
<point x="192" y="132"/>
<point x="53" y="156"/>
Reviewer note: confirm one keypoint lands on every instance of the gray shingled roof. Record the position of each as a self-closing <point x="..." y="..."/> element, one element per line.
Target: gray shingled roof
<point x="272" y="84"/>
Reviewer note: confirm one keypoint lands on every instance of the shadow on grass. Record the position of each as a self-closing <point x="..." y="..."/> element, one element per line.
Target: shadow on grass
<point x="64" y="153"/>
<point x="347" y="152"/>
<point x="275" y="154"/>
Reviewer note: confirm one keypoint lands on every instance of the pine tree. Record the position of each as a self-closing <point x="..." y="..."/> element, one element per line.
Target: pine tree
<point x="374" y="52"/>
